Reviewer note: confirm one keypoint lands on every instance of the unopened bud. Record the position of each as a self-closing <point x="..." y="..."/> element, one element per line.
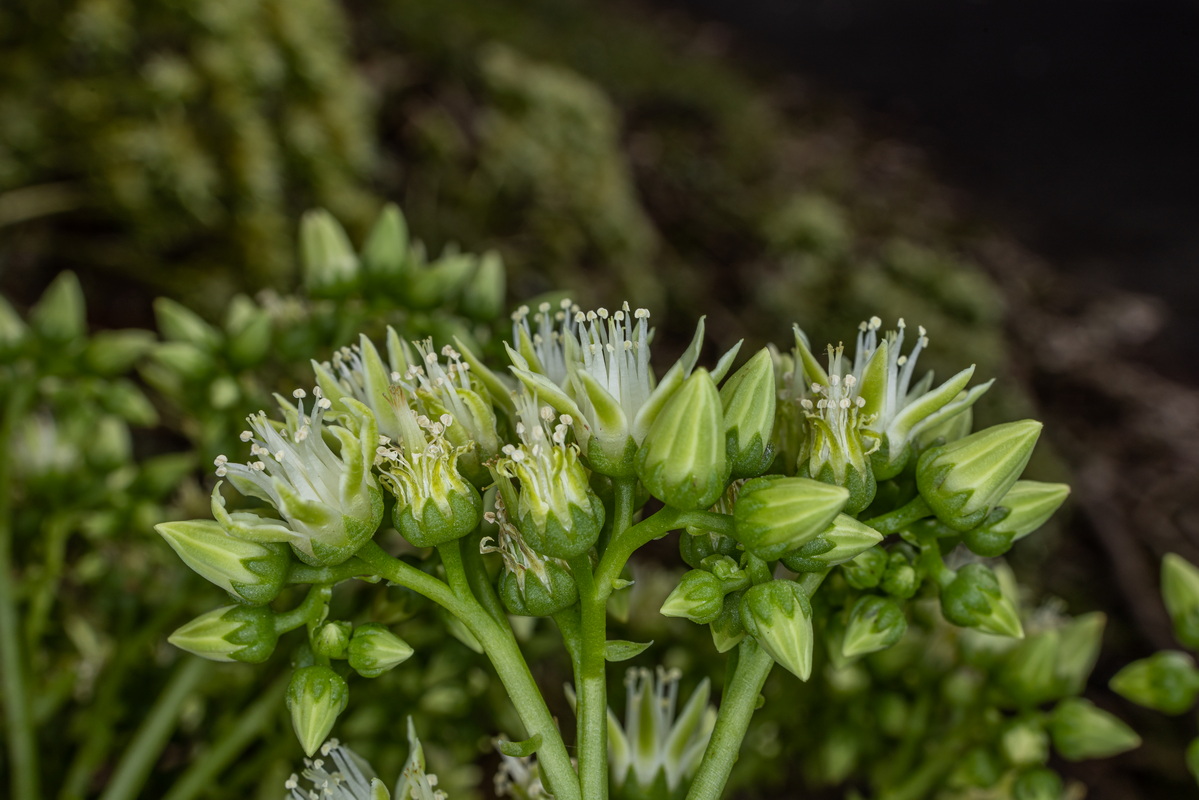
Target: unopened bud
<point x="374" y="650"/>
<point x="779" y="616"/>
<point x="843" y="540"/>
<point x="775" y="515"/>
<point x="385" y="253"/>
<point x="1180" y="590"/>
<point x="180" y="324"/>
<point x="1024" y="509"/>
<point x="59" y="315"/>
<point x="1080" y="730"/>
<point x="748" y="400"/>
<point x="866" y="570"/>
<point x="231" y="633"/>
<point x="315" y="697"/>
<point x="253" y="572"/>
<point x="875" y="624"/>
<point x="332" y="639"/>
<point x="699" y="597"/>
<point x="974" y="599"/>
<point x="1166" y="681"/>
<point x="330" y="266"/>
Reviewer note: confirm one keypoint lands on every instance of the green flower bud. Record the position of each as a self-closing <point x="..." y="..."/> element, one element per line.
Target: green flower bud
<point x="332" y="639"/>
<point x="1180" y="590"/>
<point x="59" y="315"/>
<point x="254" y="572"/>
<point x="866" y="569"/>
<point x="110" y="446"/>
<point x="1080" y="731"/>
<point x="315" y="697"/>
<point x="374" y="650"/>
<point x="979" y="768"/>
<point x="900" y="580"/>
<point x="180" y="324"/>
<point x="542" y="593"/>
<point x="1024" y="509"/>
<point x="13" y="330"/>
<point x="1030" y="672"/>
<point x="974" y="599"/>
<point x="695" y="547"/>
<point x="1081" y="639"/>
<point x="114" y="352"/>
<point x="231" y="633"/>
<point x="748" y="401"/>
<point x="184" y="360"/>
<point x="1166" y="681"/>
<point x="963" y="480"/>
<point x="329" y="264"/>
<point x="1024" y="743"/>
<point x="875" y="623"/>
<point x="249" y="330"/>
<point x="774" y="515"/>
<point x="699" y="597"/>
<point x="779" y="616"/>
<point x="683" y="460"/>
<point x="1038" y="784"/>
<point x="483" y="297"/>
<point x="731" y="576"/>
<point x="727" y="629"/>
<point x="843" y="540"/>
<point x="385" y="253"/>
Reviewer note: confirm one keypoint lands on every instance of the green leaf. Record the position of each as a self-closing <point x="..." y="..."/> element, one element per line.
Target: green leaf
<point x="520" y="749"/>
<point x="622" y="650"/>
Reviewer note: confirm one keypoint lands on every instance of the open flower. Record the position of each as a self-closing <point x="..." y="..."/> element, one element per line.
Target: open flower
<point x="594" y="366"/>
<point x="329" y="502"/>
<point x="338" y="773"/>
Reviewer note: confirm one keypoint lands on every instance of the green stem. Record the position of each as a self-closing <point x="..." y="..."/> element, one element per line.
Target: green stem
<point x="625" y="543"/>
<point x="501" y="648"/>
<point x="902" y="517"/>
<point x="480" y="579"/>
<point x="732" y="721"/>
<point x="569" y="622"/>
<point x="154" y="732"/>
<point x="56" y="531"/>
<point x="302" y="573"/>
<point x="307" y="611"/>
<point x="625" y="490"/>
<point x="206" y="769"/>
<point x="591" y="683"/>
<point x="22" y="750"/>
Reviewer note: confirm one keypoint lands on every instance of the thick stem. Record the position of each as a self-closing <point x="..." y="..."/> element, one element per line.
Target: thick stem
<point x="22" y="749"/>
<point x="302" y="573"/>
<point x="155" y="731"/>
<point x="307" y="612"/>
<point x="501" y="648"/>
<point x="591" y="683"/>
<point x="732" y="721"/>
<point x="900" y="518"/>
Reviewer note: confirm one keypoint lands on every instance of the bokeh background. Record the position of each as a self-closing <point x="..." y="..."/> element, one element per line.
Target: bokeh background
<point x="1018" y="177"/>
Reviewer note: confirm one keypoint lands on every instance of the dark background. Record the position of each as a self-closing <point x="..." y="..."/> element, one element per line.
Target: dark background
<point x="1072" y="123"/>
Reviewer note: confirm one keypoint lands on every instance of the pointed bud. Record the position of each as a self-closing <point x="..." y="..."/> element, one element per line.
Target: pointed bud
<point x="775" y="515"/>
<point x="900" y="580"/>
<point x="727" y="629"/>
<point x="231" y="633"/>
<point x="748" y="400"/>
<point x="59" y="315"/>
<point x="1030" y="672"/>
<point x="385" y="253"/>
<point x="329" y="264"/>
<point x="843" y="540"/>
<point x="332" y="639"/>
<point x="1167" y="681"/>
<point x="180" y="324"/>
<point x="974" y="600"/>
<point x="1081" y="730"/>
<point x="695" y="546"/>
<point x="13" y="330"/>
<point x="315" y="697"/>
<point x="779" y="615"/>
<point x="184" y="360"/>
<point x="115" y="352"/>
<point x="683" y="461"/>
<point x="1180" y="590"/>
<point x="483" y="297"/>
<point x="253" y="572"/>
<point x="867" y="569"/>
<point x="1081" y="639"/>
<point x="248" y="328"/>
<point x="699" y="597"/>
<point x="875" y="624"/>
<point x="374" y="650"/>
<point x="963" y="480"/>
<point x="1024" y="509"/>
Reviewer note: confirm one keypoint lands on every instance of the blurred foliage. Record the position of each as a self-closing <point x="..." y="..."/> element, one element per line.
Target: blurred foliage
<point x="188" y="134"/>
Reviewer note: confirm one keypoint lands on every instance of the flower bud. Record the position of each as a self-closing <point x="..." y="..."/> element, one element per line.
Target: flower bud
<point x="774" y="515"/>
<point x="483" y="296"/>
<point x="253" y="572"/>
<point x="315" y="697"/>
<point x="435" y="503"/>
<point x="695" y="547"/>
<point x="875" y="623"/>
<point x="231" y="633"/>
<point x="332" y="639"/>
<point x="1180" y="590"/>
<point x="699" y="597"/>
<point x="748" y="401"/>
<point x="978" y="768"/>
<point x="974" y="600"/>
<point x="900" y="580"/>
<point x="727" y="629"/>
<point x="963" y="480"/>
<point x="1024" y="743"/>
<point x="59" y="315"/>
<point x="329" y="265"/>
<point x="114" y="352"/>
<point x="249" y="330"/>
<point x="1024" y="509"/>
<point x="13" y="330"/>
<point x="385" y="253"/>
<point x="683" y="460"/>
<point x="545" y="589"/>
<point x="374" y="650"/>
<point x="1080" y="730"/>
<point x="866" y="569"/>
<point x="779" y="615"/>
<point x="180" y="324"/>
<point x="732" y="576"/>
<point x="1081" y="639"/>
<point x="1167" y="681"/>
<point x="1030" y="672"/>
<point x="843" y="540"/>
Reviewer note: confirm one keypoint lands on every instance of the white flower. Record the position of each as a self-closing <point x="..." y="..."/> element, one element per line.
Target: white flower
<point x="351" y="777"/>
<point x="329" y="500"/>
<point x="415" y="783"/>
